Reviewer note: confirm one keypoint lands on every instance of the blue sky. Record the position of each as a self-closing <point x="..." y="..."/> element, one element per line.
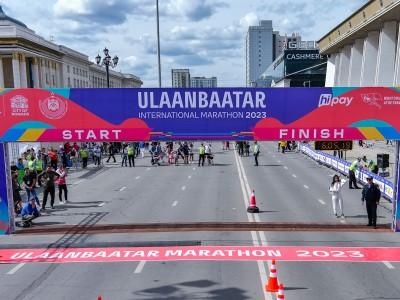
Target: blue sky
<point x="205" y="36"/>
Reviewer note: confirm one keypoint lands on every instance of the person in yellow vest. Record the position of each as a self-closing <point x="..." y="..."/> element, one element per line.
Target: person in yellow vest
<point x="39" y="168"/>
<point x="283" y="146"/>
<point x="32" y="167"/>
<point x="370" y="165"/>
<point x="202" y="154"/>
<point x="352" y="175"/>
<point x="131" y="154"/>
<point x="84" y="155"/>
<point x="256" y="152"/>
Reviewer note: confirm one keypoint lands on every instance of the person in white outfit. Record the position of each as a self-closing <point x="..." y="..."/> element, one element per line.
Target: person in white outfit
<point x="335" y="190"/>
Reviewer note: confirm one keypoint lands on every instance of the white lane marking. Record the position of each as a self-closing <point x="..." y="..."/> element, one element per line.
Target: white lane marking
<point x="190" y="176"/>
<point x="140" y="266"/>
<point x="294" y="175"/>
<point x="79" y="181"/>
<point x="194" y="168"/>
<point x="137" y="177"/>
<point x="286" y="168"/>
<point x="19" y="266"/>
<point x="322" y="202"/>
<point x="148" y="169"/>
<point x="183" y="188"/>
<point x="342" y="221"/>
<point x="388" y="264"/>
<point x="121" y="189"/>
<point x="279" y="161"/>
<point x="305" y="186"/>
<point x="175" y="203"/>
<point x="101" y="204"/>
<point x="246" y="191"/>
<point x="273" y="156"/>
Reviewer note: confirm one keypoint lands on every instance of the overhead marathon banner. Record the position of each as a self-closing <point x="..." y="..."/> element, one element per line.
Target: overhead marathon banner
<point x="46" y="115"/>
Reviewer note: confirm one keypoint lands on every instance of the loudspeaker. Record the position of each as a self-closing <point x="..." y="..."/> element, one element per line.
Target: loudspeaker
<point x="382" y="160"/>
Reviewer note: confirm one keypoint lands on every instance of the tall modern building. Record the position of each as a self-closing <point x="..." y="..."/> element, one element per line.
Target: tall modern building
<point x="180" y="78"/>
<point x="203" y="82"/>
<point x="259" y="50"/>
<point x="27" y="60"/>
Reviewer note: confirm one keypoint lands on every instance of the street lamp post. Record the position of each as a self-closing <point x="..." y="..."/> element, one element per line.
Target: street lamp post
<point x="107" y="62"/>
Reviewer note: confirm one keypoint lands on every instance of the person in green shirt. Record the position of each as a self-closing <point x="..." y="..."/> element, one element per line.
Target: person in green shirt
<point x="202" y="154"/>
<point x="131" y="154"/>
<point x="84" y="155"/>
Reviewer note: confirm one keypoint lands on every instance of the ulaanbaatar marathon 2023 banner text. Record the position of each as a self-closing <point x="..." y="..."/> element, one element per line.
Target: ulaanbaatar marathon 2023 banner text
<point x="44" y="115"/>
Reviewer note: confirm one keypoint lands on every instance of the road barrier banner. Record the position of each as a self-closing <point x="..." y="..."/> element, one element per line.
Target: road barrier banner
<point x="386" y="187"/>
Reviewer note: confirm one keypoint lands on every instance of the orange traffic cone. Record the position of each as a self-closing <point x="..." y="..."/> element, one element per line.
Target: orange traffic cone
<point x="252" y="207"/>
<point x="273" y="279"/>
<point x="281" y="294"/>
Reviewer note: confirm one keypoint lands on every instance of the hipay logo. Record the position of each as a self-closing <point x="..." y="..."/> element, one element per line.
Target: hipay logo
<point x="327" y="100"/>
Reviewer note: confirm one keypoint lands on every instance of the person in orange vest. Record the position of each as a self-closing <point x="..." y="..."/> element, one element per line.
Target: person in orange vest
<point x="283" y="146"/>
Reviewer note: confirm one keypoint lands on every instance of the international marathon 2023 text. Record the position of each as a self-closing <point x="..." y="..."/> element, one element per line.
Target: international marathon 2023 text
<point x="202" y="115"/>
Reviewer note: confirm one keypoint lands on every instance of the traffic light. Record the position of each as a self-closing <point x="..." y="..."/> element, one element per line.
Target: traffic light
<point x="382" y="160"/>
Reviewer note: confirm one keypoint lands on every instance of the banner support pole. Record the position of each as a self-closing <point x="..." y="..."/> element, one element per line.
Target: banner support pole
<point x="396" y="192"/>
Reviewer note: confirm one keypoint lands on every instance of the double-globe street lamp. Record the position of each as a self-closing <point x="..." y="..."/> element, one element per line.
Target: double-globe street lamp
<point x="107" y="62"/>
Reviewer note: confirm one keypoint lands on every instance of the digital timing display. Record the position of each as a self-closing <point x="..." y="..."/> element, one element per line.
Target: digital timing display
<point x="333" y="145"/>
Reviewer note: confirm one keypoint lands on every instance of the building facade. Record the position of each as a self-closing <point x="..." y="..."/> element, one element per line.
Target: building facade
<point x="180" y="78"/>
<point x="364" y="49"/>
<point x="203" y="82"/>
<point x="27" y="60"/>
<point x="295" y="68"/>
<point x="263" y="46"/>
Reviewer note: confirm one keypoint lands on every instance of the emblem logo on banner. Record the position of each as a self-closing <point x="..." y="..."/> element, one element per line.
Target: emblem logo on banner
<point x="19" y="106"/>
<point x="372" y="99"/>
<point x="53" y="107"/>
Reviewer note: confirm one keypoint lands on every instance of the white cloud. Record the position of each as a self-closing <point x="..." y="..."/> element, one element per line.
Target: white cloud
<point x="250" y="19"/>
<point x="62" y="7"/>
<point x="131" y="61"/>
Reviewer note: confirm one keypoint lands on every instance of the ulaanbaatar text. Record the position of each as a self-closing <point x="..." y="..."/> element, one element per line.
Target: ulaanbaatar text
<point x="202" y="99"/>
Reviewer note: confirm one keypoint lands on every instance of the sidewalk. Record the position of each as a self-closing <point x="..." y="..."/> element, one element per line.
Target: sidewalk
<point x="371" y="149"/>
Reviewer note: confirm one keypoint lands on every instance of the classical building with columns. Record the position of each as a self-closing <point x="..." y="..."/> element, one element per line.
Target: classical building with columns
<point x="27" y="60"/>
<point x="364" y="49"/>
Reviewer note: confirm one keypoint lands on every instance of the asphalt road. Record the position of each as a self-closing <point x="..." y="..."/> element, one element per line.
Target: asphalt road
<point x="288" y="187"/>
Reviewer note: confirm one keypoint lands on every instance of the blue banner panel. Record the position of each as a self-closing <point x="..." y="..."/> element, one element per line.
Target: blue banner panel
<point x="4" y="216"/>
